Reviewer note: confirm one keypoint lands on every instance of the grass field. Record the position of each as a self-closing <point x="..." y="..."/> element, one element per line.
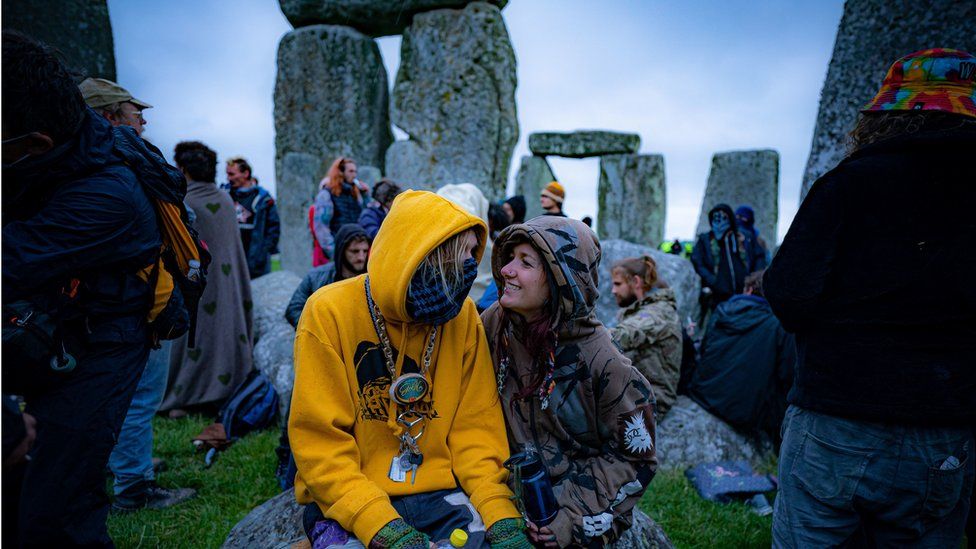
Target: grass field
<point x="243" y="477"/>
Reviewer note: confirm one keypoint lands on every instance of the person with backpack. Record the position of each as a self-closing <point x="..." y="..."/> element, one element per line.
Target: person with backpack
<point x="206" y="372"/>
<point x="78" y="230"/>
<point x="132" y="465"/>
<point x="395" y="423"/>
<point x="340" y="200"/>
<point x="257" y="216"/>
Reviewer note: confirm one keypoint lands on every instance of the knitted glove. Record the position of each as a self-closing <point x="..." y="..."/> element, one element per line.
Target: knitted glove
<point x="397" y="534"/>
<point x="508" y="534"/>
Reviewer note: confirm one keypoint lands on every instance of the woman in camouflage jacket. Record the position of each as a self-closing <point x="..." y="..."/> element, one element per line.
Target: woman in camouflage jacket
<point x="566" y="390"/>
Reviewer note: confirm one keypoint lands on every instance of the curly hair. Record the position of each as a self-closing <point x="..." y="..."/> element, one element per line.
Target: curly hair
<point x="872" y="127"/>
<point x="197" y="160"/>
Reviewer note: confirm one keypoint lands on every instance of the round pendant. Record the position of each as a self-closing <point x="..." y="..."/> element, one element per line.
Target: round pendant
<point x="408" y="389"/>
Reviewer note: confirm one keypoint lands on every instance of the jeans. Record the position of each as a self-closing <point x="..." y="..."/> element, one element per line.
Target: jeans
<point x="436" y="514"/>
<point x="846" y="482"/>
<point x="131" y="459"/>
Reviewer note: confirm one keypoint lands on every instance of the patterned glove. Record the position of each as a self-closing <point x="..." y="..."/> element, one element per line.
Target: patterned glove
<point x="397" y="534"/>
<point x="508" y="534"/>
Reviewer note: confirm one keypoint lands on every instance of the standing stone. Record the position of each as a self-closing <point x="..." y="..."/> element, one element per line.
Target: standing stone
<point x="632" y="198"/>
<point x="80" y="29"/>
<point x="455" y="97"/>
<point x="533" y="175"/>
<point x="676" y="271"/>
<point x="583" y="144"/>
<point x="745" y="178"/>
<point x="871" y="36"/>
<point x="331" y="100"/>
<point x="274" y="338"/>
<point x="372" y="17"/>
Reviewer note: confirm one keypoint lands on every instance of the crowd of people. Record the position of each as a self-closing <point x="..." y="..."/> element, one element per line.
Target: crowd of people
<point x="515" y="416"/>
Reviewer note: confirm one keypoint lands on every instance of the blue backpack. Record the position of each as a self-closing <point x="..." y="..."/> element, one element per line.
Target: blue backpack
<point x="253" y="406"/>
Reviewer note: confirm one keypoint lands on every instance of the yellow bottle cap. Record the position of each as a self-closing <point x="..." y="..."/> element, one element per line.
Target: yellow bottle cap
<point x="459" y="538"/>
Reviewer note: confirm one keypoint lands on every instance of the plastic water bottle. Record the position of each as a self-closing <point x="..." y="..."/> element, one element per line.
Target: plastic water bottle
<point x="194" y="273"/>
<point x="458" y="539"/>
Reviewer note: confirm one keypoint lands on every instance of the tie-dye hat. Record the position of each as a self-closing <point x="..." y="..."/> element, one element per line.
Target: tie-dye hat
<point x="930" y="80"/>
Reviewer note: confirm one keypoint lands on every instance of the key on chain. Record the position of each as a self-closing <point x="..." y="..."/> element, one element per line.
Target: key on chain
<point x="415" y="460"/>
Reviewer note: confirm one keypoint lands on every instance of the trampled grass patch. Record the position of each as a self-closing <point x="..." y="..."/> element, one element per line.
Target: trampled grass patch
<point x="243" y="477"/>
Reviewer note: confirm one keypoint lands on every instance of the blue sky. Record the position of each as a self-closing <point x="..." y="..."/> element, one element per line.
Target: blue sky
<point x="692" y="78"/>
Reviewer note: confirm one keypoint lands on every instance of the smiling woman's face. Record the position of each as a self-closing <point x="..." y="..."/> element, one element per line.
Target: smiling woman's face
<point x="526" y="288"/>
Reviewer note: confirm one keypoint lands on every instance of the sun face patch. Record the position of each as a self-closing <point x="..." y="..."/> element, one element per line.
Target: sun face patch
<point x="637" y="431"/>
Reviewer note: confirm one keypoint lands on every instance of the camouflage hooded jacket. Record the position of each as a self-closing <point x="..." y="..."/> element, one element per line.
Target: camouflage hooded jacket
<point x="649" y="334"/>
<point x="597" y="433"/>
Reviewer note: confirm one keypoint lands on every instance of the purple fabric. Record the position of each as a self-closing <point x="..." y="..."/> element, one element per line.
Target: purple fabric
<point x="328" y="533"/>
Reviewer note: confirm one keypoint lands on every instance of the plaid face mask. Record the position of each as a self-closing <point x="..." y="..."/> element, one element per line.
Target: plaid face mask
<point x="427" y="299"/>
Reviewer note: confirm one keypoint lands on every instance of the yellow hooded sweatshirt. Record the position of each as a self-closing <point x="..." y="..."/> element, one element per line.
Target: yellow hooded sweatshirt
<point x="343" y="427"/>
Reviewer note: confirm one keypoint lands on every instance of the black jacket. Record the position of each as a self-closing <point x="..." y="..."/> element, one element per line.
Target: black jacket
<point x="83" y="214"/>
<point x="746" y="367"/>
<point x="875" y="277"/>
<point x="322" y="275"/>
<point x="726" y="274"/>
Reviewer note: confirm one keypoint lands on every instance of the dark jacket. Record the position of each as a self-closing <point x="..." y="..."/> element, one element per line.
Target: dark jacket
<point x="345" y="208"/>
<point x="322" y="275"/>
<point x="875" y="277"/>
<point x="723" y="264"/>
<point x="371" y="218"/>
<point x="267" y="228"/>
<point x="84" y="215"/>
<point x="746" y="366"/>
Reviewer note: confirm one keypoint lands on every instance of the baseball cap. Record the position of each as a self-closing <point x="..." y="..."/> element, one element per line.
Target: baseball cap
<point x="937" y="79"/>
<point x="99" y="92"/>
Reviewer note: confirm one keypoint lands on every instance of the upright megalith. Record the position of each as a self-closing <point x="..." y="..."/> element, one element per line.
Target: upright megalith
<point x="331" y="100"/>
<point x="455" y="98"/>
<point x="871" y="36"/>
<point x="745" y="178"/>
<point x="583" y="143"/>
<point x="80" y="29"/>
<point x="533" y="175"/>
<point x="632" y="198"/>
<point x="372" y="17"/>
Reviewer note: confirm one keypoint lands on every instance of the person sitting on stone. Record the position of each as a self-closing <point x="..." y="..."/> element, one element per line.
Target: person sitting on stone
<point x="340" y="200"/>
<point x="649" y="330"/>
<point x="724" y="256"/>
<point x="352" y="249"/>
<point x="372" y="216"/>
<point x="552" y="198"/>
<point x="746" y="366"/>
<point x="395" y="425"/>
<point x="566" y="390"/>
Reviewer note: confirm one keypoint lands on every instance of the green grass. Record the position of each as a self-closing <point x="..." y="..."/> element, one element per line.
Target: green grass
<point x="243" y="477"/>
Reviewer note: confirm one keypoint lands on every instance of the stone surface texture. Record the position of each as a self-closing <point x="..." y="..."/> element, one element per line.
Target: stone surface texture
<point x="632" y="198"/>
<point x="372" y="17"/>
<point x="533" y="175"/>
<point x="583" y="143"/>
<point x="871" y="36"/>
<point x="745" y="178"/>
<point x="80" y="29"/>
<point x="689" y="435"/>
<point x="676" y="271"/>
<point x="275" y="523"/>
<point x="331" y="100"/>
<point x="274" y="352"/>
<point x="278" y="523"/>
<point x="455" y="98"/>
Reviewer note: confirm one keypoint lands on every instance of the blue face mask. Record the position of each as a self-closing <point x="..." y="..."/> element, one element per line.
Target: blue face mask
<point x="427" y="299"/>
<point x="720" y="224"/>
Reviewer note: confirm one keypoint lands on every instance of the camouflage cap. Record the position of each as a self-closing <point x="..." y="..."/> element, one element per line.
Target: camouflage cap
<point x="99" y="92"/>
<point x="937" y="79"/>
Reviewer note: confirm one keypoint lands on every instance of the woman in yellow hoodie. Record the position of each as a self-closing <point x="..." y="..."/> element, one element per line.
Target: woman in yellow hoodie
<point x="395" y="424"/>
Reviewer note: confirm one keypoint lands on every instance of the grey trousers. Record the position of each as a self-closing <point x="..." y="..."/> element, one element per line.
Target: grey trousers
<point x="850" y="483"/>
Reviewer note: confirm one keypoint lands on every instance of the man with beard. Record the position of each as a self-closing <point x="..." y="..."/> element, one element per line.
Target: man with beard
<point x="351" y="252"/>
<point x="649" y="331"/>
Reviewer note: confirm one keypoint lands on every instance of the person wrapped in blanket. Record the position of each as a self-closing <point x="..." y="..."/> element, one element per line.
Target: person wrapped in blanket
<point x="396" y="428"/>
<point x="566" y="389"/>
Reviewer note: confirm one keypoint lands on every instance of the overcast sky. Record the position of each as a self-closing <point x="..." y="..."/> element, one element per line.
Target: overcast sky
<point x="692" y="78"/>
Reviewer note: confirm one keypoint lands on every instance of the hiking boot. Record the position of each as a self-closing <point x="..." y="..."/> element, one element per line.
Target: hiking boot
<point x="149" y="495"/>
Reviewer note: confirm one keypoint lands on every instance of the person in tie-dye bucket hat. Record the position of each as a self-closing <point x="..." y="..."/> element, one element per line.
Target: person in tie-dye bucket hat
<point x="874" y="279"/>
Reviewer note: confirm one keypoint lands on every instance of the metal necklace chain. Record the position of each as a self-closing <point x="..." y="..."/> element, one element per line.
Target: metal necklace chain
<point x="379" y="324"/>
